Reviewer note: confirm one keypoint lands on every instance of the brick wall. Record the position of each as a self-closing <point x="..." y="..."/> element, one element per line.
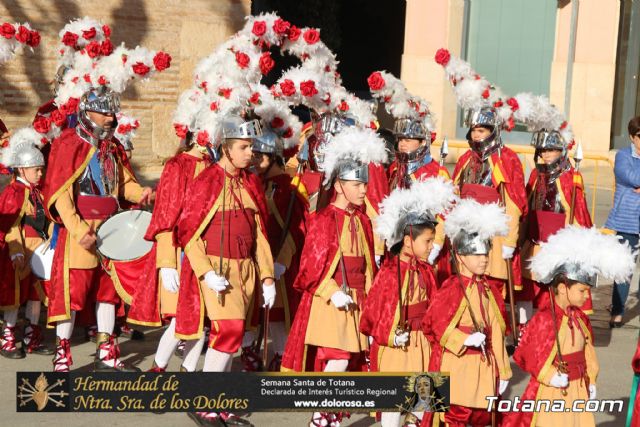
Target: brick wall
<point x="187" y="29"/>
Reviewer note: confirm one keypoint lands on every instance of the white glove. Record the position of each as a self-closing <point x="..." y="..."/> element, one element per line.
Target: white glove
<point x="559" y="380"/>
<point x="278" y="270"/>
<point x="269" y="295"/>
<point x="401" y="340"/>
<point x="215" y="282"/>
<point x="503" y="386"/>
<point x="370" y="340"/>
<point x="507" y="252"/>
<point x="476" y="339"/>
<point x="378" y="259"/>
<point x="341" y="300"/>
<point x="435" y="251"/>
<point x="170" y="279"/>
<point x="592" y="391"/>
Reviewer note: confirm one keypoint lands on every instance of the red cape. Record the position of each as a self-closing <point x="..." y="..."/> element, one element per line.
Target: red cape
<point x="177" y="174"/>
<point x="318" y="253"/>
<point x="378" y="186"/>
<point x="12" y="201"/>
<point x="202" y="194"/>
<point x="534" y="349"/>
<point x="380" y="314"/>
<point x="429" y="170"/>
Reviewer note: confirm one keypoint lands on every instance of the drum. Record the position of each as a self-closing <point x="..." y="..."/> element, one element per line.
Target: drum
<point x="121" y="237"/>
<point x="42" y="261"/>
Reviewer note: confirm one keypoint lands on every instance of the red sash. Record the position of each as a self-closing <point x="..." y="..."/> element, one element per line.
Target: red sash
<point x="543" y="224"/>
<point x="576" y="365"/>
<point x="355" y="267"/>
<point x="239" y="236"/>
<point x="415" y="313"/>
<point x="480" y="193"/>
<point x="96" y="207"/>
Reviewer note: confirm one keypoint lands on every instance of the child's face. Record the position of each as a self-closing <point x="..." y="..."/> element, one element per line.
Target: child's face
<point x="480" y="133"/>
<point x="353" y="191"/>
<point x="473" y="264"/>
<point x="421" y="246"/>
<point x="408" y="145"/>
<point x="32" y="175"/>
<point x="575" y="294"/>
<point x="550" y="156"/>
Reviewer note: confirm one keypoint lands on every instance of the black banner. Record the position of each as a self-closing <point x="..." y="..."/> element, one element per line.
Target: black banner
<point x="231" y="391"/>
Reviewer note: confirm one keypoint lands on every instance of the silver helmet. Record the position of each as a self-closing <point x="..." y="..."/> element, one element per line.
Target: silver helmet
<point x="412" y="219"/>
<point x="349" y="170"/>
<point x="325" y="127"/>
<point x="26" y="155"/>
<point x="99" y="100"/>
<point x="550" y="140"/>
<point x="488" y="117"/>
<point x="470" y="244"/>
<point x="574" y="271"/>
<point x="410" y="128"/>
<point x="236" y="127"/>
<point x="268" y="143"/>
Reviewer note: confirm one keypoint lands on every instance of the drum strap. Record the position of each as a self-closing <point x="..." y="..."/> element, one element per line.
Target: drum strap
<point x="54" y="236"/>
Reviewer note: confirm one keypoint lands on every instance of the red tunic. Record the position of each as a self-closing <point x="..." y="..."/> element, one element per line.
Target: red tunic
<point x="12" y="201"/>
<point x="202" y="194"/>
<point x="319" y="251"/>
<point x="177" y="175"/>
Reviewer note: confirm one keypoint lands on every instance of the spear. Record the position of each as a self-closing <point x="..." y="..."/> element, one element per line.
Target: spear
<point x="224" y="192"/>
<point x="444" y="150"/>
<point x="577" y="158"/>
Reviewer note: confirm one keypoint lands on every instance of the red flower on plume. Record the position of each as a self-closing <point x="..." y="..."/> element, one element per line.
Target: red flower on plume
<point x="511" y="102"/>
<point x="162" y="61"/>
<point x="266" y="63"/>
<point x="214" y="106"/>
<point x="23" y="35"/>
<point x="255" y="98"/>
<point x="280" y="26"/>
<point x="124" y="58"/>
<point x="311" y="36"/>
<point x="277" y="123"/>
<point x="7" y="30"/>
<point x="288" y="133"/>
<point x="34" y="39"/>
<point x="433" y="136"/>
<point x="122" y="129"/>
<point x="70" y="39"/>
<point x="259" y="28"/>
<point x="58" y="118"/>
<point x="294" y="33"/>
<point x="442" y="57"/>
<point x="93" y="49"/>
<point x="89" y="34"/>
<point x="327" y="100"/>
<point x="225" y="92"/>
<point x="203" y="138"/>
<point x="106" y="30"/>
<point x="141" y="69"/>
<point x="242" y="59"/>
<point x="343" y="106"/>
<point x="87" y="78"/>
<point x="181" y="130"/>
<point x="373" y="125"/>
<point x="70" y="107"/>
<point x="204" y="87"/>
<point x="376" y="81"/>
<point x="75" y="80"/>
<point x="486" y="93"/>
<point x="498" y="104"/>
<point x="106" y="48"/>
<point x="308" y="88"/>
<point x="510" y="124"/>
<point x="571" y="144"/>
<point x="42" y="124"/>
<point x="563" y="125"/>
<point x="288" y="88"/>
<point x="102" y="80"/>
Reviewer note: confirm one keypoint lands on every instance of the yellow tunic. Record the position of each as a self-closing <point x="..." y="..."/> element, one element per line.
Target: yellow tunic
<point x="577" y="388"/>
<point x="328" y="326"/>
<point x="415" y="357"/>
<point x="241" y="273"/>
<point x="472" y="379"/>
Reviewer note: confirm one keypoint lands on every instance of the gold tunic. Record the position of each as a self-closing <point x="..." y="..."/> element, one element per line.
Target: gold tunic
<point x="241" y="273"/>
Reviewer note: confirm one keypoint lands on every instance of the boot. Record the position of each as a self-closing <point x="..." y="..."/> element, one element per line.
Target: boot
<point x="179" y="351"/>
<point x="128" y="332"/>
<point x="230" y="419"/>
<point x="109" y="362"/>
<point x="210" y="419"/>
<point x="252" y="362"/>
<point x="8" y="347"/>
<point x="156" y="368"/>
<point x="274" y="365"/>
<point x="90" y="333"/>
<point x="328" y="419"/>
<point x="32" y="341"/>
<point x="62" y="361"/>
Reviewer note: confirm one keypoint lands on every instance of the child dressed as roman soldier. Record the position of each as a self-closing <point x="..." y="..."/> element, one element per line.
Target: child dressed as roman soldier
<point x="22" y="203"/>
<point x="466" y="323"/>
<point x="337" y="265"/>
<point x="405" y="285"/>
<point x="557" y="347"/>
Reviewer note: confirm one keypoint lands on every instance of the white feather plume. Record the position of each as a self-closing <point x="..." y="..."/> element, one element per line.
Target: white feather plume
<point x="594" y="252"/>
<point x="25" y="136"/>
<point x="10" y="46"/>
<point x="487" y="220"/>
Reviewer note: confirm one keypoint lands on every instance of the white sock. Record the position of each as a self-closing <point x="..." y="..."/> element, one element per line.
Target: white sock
<point x="390" y="419"/>
<point x="248" y="338"/>
<point x="216" y="361"/>
<point x="192" y="351"/>
<point x="278" y="336"/>
<point x="106" y="315"/>
<point x="10" y="317"/>
<point x="167" y="345"/>
<point x="32" y="312"/>
<point x="336" y="366"/>
<point x="525" y="311"/>
<point x="64" y="329"/>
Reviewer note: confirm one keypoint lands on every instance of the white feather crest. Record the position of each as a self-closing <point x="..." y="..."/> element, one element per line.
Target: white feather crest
<point x="11" y="45"/>
<point x="356" y="144"/>
<point x="271" y="108"/>
<point x="77" y="27"/>
<point x="435" y="195"/>
<point x="25" y="136"/>
<point x="537" y="113"/>
<point x="594" y="252"/>
<point x="487" y="220"/>
<point x="127" y="126"/>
